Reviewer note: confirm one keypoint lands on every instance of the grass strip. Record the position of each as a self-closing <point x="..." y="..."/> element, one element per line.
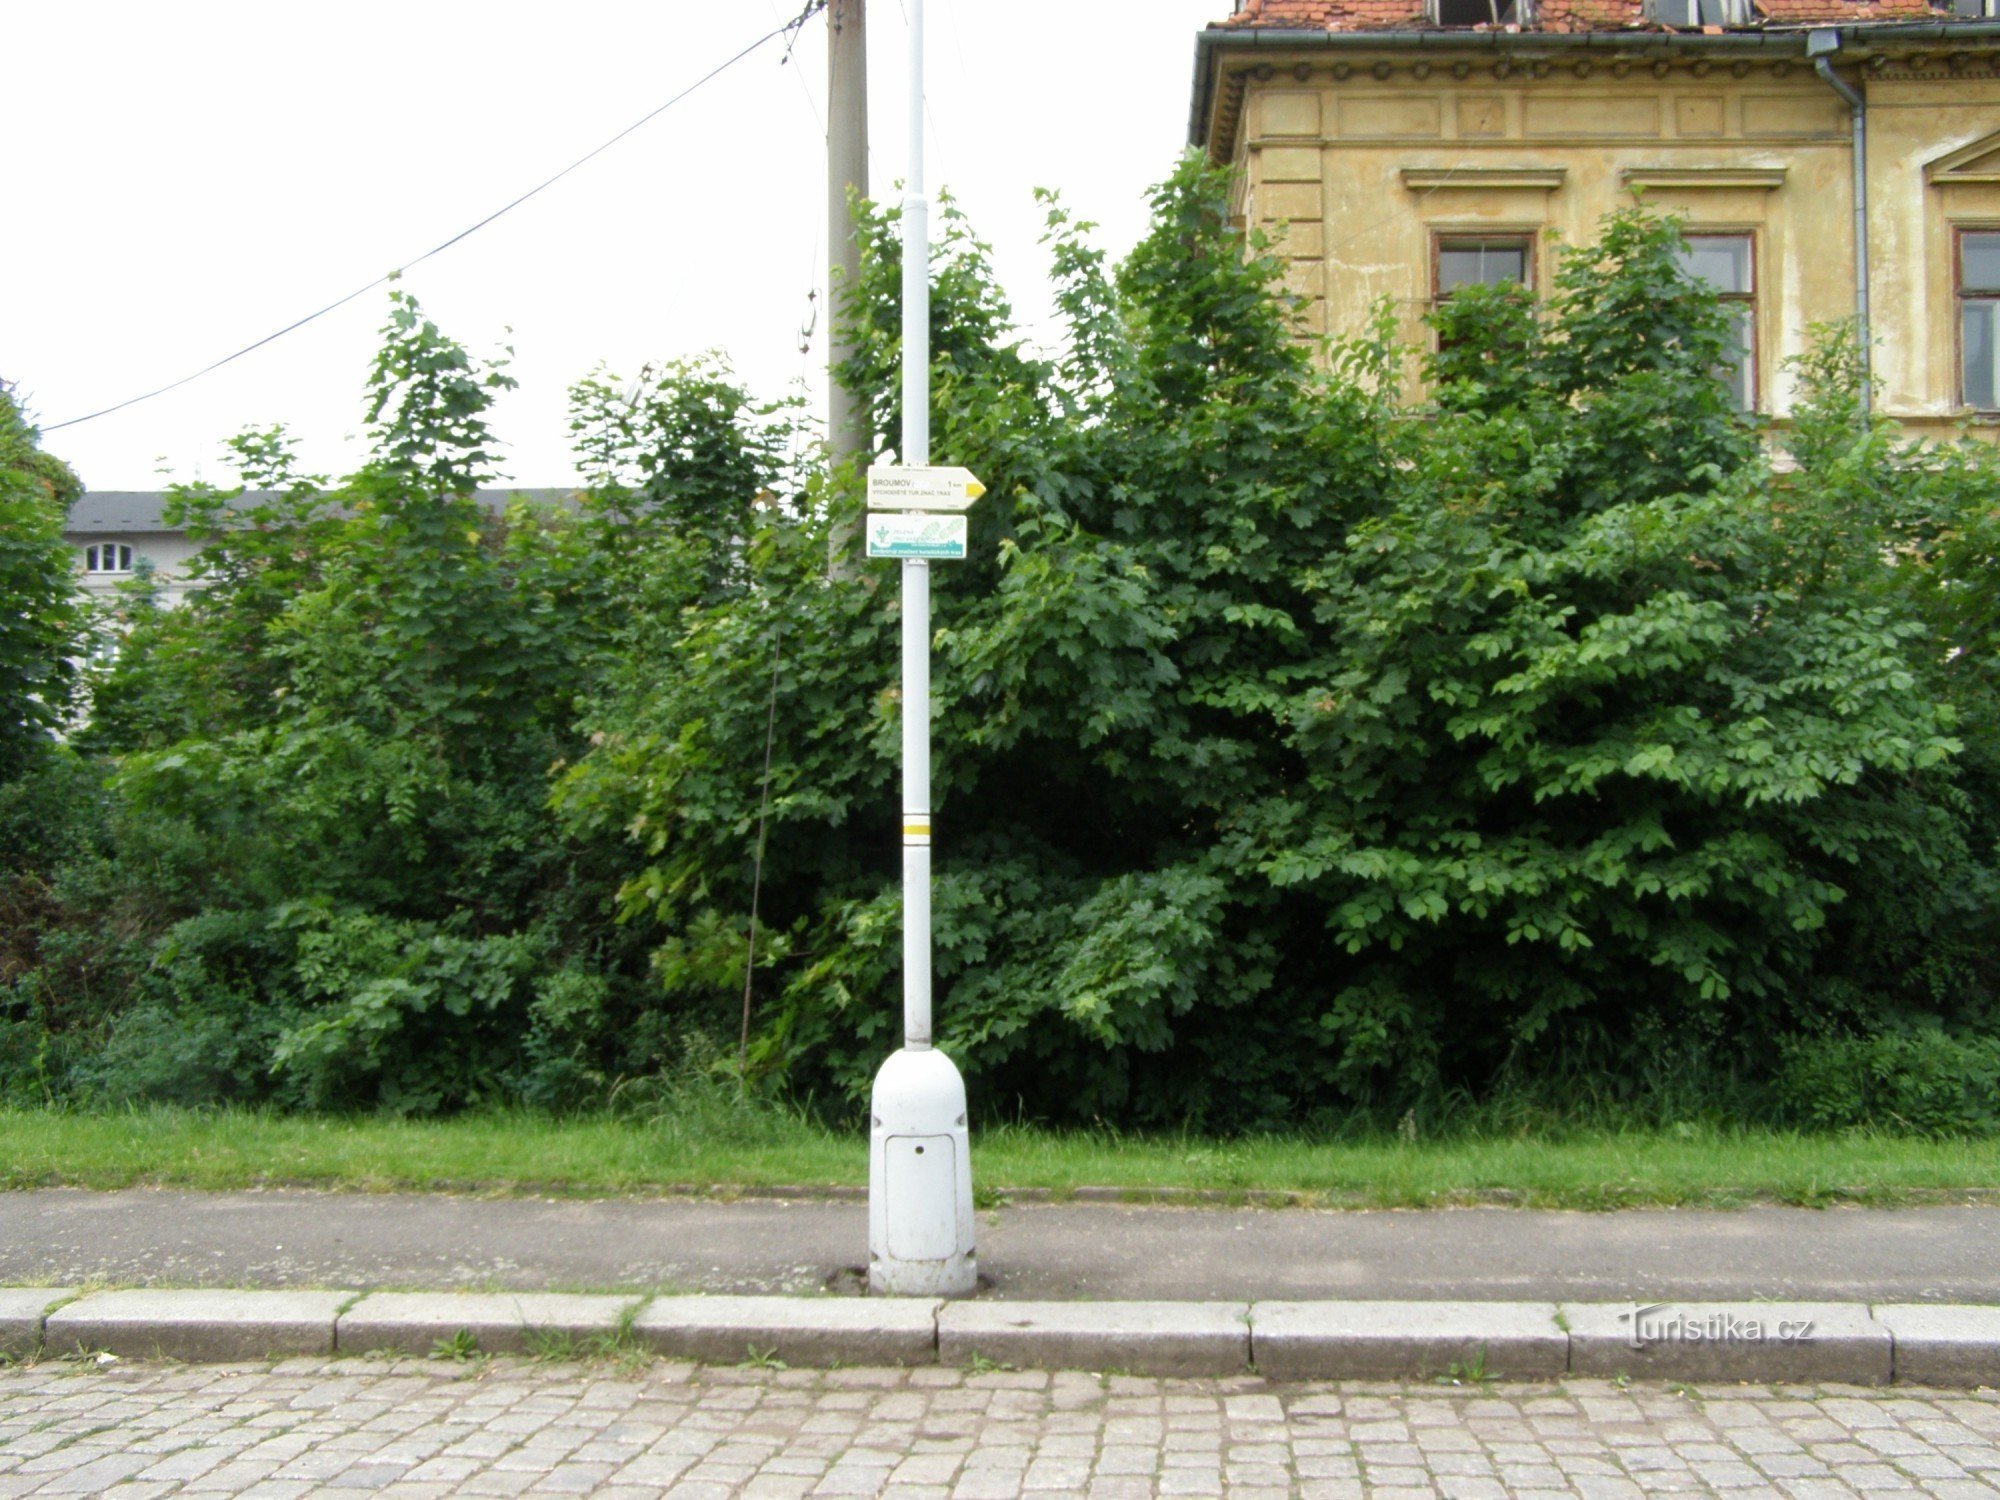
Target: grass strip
<point x="522" y="1153"/>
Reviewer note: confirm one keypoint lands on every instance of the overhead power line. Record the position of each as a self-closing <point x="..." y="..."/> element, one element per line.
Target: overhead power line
<point x="812" y="8"/>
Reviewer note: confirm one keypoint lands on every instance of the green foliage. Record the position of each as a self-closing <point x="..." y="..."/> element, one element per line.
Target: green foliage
<point x="327" y="875"/>
<point x="40" y="616"/>
<point x="460" y="1347"/>
<point x="427" y="405"/>
<point x="212" y="666"/>
<point x="685" y="453"/>
<point x="1293" y="755"/>
<point x="1298" y="756"/>
<point x="1589" y="754"/>
<point x="1469" y="1372"/>
<point x="1928" y="1081"/>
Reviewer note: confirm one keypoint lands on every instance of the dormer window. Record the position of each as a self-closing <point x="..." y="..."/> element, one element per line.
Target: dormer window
<point x="1692" y="15"/>
<point x="107" y="557"/>
<point x="1480" y="12"/>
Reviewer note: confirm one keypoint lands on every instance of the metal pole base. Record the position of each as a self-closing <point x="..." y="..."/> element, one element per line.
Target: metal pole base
<point x="920" y="1180"/>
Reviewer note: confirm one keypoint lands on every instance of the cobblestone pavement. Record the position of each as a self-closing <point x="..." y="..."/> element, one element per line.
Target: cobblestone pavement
<point x="417" y="1428"/>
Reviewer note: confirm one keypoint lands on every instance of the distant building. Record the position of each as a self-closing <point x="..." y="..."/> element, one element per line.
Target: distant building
<point x="1403" y="149"/>
<point x="117" y="534"/>
<point x="114" y="533"/>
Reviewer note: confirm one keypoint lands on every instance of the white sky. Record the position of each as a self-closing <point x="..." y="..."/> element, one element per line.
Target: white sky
<point x="185" y="179"/>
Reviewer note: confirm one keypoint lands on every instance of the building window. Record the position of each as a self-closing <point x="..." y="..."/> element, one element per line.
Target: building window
<point x="1462" y="260"/>
<point x="1979" y="318"/>
<point x="1728" y="263"/>
<point x="107" y="557"/>
<point x="1479" y="260"/>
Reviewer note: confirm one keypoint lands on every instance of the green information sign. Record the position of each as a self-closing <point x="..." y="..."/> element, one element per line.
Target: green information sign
<point x="937" y="538"/>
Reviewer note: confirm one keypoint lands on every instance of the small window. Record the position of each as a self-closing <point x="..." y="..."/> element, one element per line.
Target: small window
<point x="1460" y="261"/>
<point x="1727" y="262"/>
<point x="107" y="557"/>
<point x="1480" y="12"/>
<point x="1979" y="318"/>
<point x="1466" y="260"/>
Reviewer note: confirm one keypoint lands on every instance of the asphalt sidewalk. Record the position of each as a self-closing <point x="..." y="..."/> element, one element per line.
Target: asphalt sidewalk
<point x="1039" y="1252"/>
<point x="1850" y="1296"/>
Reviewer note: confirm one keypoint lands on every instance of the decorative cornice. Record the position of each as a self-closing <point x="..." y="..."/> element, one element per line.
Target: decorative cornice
<point x="1946" y="53"/>
<point x="1762" y="179"/>
<point x="1430" y="179"/>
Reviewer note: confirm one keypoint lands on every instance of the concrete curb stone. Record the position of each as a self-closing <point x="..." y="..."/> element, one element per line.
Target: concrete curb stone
<point x="499" y="1323"/>
<point x="1145" y="1338"/>
<point x="21" y="1311"/>
<point x="1760" y="1341"/>
<point x="1404" y="1340"/>
<point x="1943" y="1345"/>
<point x="196" y="1325"/>
<point x="797" y="1330"/>
<point x="1947" y="1346"/>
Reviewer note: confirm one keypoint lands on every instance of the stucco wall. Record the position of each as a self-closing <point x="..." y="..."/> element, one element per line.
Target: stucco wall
<point x="1359" y="163"/>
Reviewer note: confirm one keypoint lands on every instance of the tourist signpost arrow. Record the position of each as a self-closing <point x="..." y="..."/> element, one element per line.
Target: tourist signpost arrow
<point x="938" y="489"/>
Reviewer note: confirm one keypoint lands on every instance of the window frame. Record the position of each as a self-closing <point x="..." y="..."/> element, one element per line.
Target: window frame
<point x="95" y="553"/>
<point x="1528" y="239"/>
<point x="1958" y="300"/>
<point x="1753" y="353"/>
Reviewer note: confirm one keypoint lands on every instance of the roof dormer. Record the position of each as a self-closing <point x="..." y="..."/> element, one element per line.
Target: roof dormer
<point x="1694" y="15"/>
<point x="1480" y="12"/>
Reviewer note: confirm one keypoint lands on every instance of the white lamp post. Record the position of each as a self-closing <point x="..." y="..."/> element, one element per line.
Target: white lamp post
<point x="920" y="1162"/>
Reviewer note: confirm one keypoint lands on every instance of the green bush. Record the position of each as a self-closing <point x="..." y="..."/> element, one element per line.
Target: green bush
<point x="1929" y="1081"/>
<point x="1299" y="755"/>
<point x="1298" y="752"/>
<point x="198" y="1056"/>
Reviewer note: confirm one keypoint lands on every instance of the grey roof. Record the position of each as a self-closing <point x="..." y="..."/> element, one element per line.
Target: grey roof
<point x="138" y="512"/>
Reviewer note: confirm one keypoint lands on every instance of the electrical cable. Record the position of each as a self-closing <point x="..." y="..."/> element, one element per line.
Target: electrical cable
<point x="812" y="8"/>
<point x="812" y="103"/>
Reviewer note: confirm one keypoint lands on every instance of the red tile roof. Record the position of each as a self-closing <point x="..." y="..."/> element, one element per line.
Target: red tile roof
<point x="1558" y="15"/>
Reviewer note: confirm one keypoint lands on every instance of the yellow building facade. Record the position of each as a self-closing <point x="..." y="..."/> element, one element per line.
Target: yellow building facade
<point x="1399" y="161"/>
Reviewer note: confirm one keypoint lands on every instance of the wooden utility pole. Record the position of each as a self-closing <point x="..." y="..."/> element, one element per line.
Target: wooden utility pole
<point x="849" y="442"/>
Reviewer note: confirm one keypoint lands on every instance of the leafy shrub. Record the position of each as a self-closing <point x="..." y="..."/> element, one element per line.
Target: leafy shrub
<point x="198" y="1056"/>
<point x="1295" y="755"/>
<point x="1300" y="755"/>
<point x="1926" y="1080"/>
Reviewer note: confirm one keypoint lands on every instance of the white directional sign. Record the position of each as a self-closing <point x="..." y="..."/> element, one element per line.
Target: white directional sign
<point x="940" y="538"/>
<point x="922" y="489"/>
